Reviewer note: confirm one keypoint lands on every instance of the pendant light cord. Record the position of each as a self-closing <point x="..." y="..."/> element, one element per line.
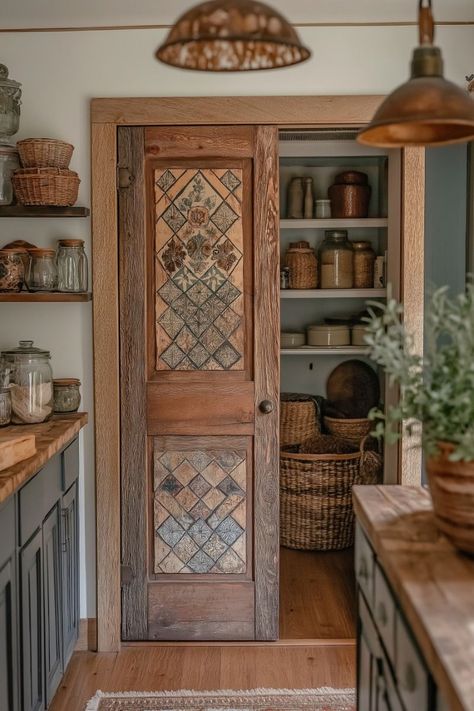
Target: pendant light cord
<point x="425" y="22"/>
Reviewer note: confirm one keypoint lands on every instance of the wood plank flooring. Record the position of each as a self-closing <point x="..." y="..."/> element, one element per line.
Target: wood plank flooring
<point x="187" y="667"/>
<point x="317" y="595"/>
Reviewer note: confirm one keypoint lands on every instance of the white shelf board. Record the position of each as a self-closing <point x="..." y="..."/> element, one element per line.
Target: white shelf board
<point x="321" y="350"/>
<point x="332" y="293"/>
<point x="333" y="223"/>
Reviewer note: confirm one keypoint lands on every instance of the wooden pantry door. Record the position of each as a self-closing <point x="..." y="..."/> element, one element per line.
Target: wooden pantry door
<point x="199" y="364"/>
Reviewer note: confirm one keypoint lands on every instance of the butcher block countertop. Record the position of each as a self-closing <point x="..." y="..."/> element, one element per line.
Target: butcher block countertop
<point x="51" y="437"/>
<point x="432" y="581"/>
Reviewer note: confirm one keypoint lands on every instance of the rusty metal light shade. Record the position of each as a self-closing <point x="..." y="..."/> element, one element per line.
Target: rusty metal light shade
<point x="427" y="110"/>
<point x="230" y="36"/>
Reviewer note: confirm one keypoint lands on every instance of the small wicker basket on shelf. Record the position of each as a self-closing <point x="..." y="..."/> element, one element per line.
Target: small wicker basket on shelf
<point x="303" y="265"/>
<point x="316" y="496"/>
<point x="44" y="153"/>
<point x="300" y="417"/>
<point x="46" y="186"/>
<point x="352" y="430"/>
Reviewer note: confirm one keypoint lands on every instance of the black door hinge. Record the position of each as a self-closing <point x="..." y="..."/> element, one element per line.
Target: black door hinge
<point x="124" y="177"/>
<point x="126" y="575"/>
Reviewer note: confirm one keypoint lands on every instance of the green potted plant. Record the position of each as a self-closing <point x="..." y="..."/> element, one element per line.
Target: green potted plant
<point x="436" y="401"/>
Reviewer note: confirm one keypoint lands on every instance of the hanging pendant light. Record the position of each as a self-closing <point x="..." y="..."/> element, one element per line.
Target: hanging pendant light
<point x="427" y="110"/>
<point x="232" y="36"/>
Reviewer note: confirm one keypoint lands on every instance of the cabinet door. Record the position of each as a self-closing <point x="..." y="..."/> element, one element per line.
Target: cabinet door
<point x="32" y="682"/>
<point x="70" y="571"/>
<point x="8" y="639"/>
<point x="52" y="603"/>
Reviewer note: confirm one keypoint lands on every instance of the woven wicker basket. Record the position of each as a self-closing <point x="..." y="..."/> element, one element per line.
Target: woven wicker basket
<point x="300" y="418"/>
<point x="316" y="497"/>
<point x="303" y="265"/>
<point x="45" y="186"/>
<point x="350" y="430"/>
<point x="44" y="153"/>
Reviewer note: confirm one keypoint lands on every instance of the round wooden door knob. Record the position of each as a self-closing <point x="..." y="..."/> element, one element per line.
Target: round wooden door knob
<point x="266" y="406"/>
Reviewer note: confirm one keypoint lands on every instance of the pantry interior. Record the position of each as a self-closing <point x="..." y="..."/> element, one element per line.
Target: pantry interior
<point x="317" y="590"/>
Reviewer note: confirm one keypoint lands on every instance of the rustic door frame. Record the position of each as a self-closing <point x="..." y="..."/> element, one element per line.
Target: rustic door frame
<point x="283" y="112"/>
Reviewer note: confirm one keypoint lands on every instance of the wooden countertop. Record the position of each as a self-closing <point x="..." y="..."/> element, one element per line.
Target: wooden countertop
<point x="433" y="582"/>
<point x="51" y="437"/>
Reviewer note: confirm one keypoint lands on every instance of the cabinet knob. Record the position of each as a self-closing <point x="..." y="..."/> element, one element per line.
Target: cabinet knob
<point x="410" y="678"/>
<point x="266" y="406"/>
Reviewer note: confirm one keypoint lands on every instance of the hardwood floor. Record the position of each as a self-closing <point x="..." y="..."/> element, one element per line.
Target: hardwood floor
<point x="317" y="595"/>
<point x="214" y="667"/>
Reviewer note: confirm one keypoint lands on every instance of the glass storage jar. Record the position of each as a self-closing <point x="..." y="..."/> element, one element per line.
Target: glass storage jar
<point x="8" y="163"/>
<point x="42" y="273"/>
<point x="72" y="265"/>
<point x="5" y="407"/>
<point x="12" y="270"/>
<point x="336" y="260"/>
<point x="364" y="260"/>
<point x="31" y="383"/>
<point x="67" y="396"/>
<point x="10" y="95"/>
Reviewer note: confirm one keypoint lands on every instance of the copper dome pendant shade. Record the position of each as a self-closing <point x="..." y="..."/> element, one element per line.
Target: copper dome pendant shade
<point x="232" y="36"/>
<point x="427" y="110"/>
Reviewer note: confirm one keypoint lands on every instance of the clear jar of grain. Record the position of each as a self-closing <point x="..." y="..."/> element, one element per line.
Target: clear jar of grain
<point x="364" y="260"/>
<point x="336" y="260"/>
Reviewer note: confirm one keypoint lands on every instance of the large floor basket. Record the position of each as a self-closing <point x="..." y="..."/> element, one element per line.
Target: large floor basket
<point x="316" y="497"/>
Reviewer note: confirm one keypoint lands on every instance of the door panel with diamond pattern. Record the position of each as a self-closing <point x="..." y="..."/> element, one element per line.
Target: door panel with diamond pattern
<point x="188" y="289"/>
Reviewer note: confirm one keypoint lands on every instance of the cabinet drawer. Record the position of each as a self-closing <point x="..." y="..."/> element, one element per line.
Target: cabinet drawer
<point x="384" y="613"/>
<point x="38" y="497"/>
<point x="412" y="675"/>
<point x="70" y="464"/>
<point x="7" y="529"/>
<point x="364" y="565"/>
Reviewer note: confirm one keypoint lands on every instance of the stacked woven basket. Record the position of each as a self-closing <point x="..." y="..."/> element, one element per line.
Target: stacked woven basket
<point x="317" y="473"/>
<point x="45" y="178"/>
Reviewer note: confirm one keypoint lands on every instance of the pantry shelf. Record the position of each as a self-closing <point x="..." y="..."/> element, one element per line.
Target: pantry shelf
<point x="336" y="350"/>
<point x="334" y="224"/>
<point x="26" y="296"/>
<point x="333" y="293"/>
<point x="43" y="211"/>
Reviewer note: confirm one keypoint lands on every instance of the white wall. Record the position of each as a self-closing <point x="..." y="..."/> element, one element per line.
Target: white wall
<point x="62" y="71"/>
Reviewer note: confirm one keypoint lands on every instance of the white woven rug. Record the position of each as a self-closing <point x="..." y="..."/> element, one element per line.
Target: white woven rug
<point x="323" y="699"/>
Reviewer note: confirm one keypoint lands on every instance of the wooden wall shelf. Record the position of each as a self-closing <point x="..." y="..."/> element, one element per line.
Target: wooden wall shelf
<point x="332" y="293"/>
<point x="26" y="296"/>
<point x="333" y="223"/>
<point x="43" y="211"/>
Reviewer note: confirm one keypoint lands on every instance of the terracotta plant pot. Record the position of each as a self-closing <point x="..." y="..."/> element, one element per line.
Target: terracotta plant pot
<point x="452" y="492"/>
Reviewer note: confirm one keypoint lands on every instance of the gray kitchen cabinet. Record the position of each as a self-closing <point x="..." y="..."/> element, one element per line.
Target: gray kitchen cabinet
<point x="31" y="628"/>
<point x="70" y="570"/>
<point x="52" y="603"/>
<point x="39" y="583"/>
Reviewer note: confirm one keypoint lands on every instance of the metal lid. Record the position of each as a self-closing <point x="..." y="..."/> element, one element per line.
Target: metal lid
<point x="5" y="81"/>
<point x="26" y="348"/>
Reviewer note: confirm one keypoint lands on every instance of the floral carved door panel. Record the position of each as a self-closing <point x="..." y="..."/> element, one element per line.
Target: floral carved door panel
<point x="199" y="345"/>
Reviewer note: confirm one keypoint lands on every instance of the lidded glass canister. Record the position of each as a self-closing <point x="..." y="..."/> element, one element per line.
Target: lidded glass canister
<point x="42" y="274"/>
<point x="31" y="383"/>
<point x="10" y="101"/>
<point x="364" y="260"/>
<point x="72" y="265"/>
<point x="336" y="260"/>
<point x="12" y="270"/>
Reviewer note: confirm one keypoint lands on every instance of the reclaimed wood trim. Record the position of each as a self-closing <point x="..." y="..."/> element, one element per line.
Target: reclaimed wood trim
<point x="431" y="580"/>
<point x="132" y="308"/>
<point x="412" y="285"/>
<point x="267" y="382"/>
<point x="300" y="111"/>
<point x="87" y="638"/>
<point x="106" y="383"/>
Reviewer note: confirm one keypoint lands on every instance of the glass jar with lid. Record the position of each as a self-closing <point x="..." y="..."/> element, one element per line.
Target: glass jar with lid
<point x="31" y="385"/>
<point x="12" y="270"/>
<point x="364" y="260"/>
<point x="10" y="95"/>
<point x="42" y="272"/>
<point x="67" y="396"/>
<point x="336" y="260"/>
<point x="72" y="265"/>
<point x="8" y="163"/>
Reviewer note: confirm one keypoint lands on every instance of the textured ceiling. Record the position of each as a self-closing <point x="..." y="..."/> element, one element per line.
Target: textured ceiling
<point x="92" y="13"/>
